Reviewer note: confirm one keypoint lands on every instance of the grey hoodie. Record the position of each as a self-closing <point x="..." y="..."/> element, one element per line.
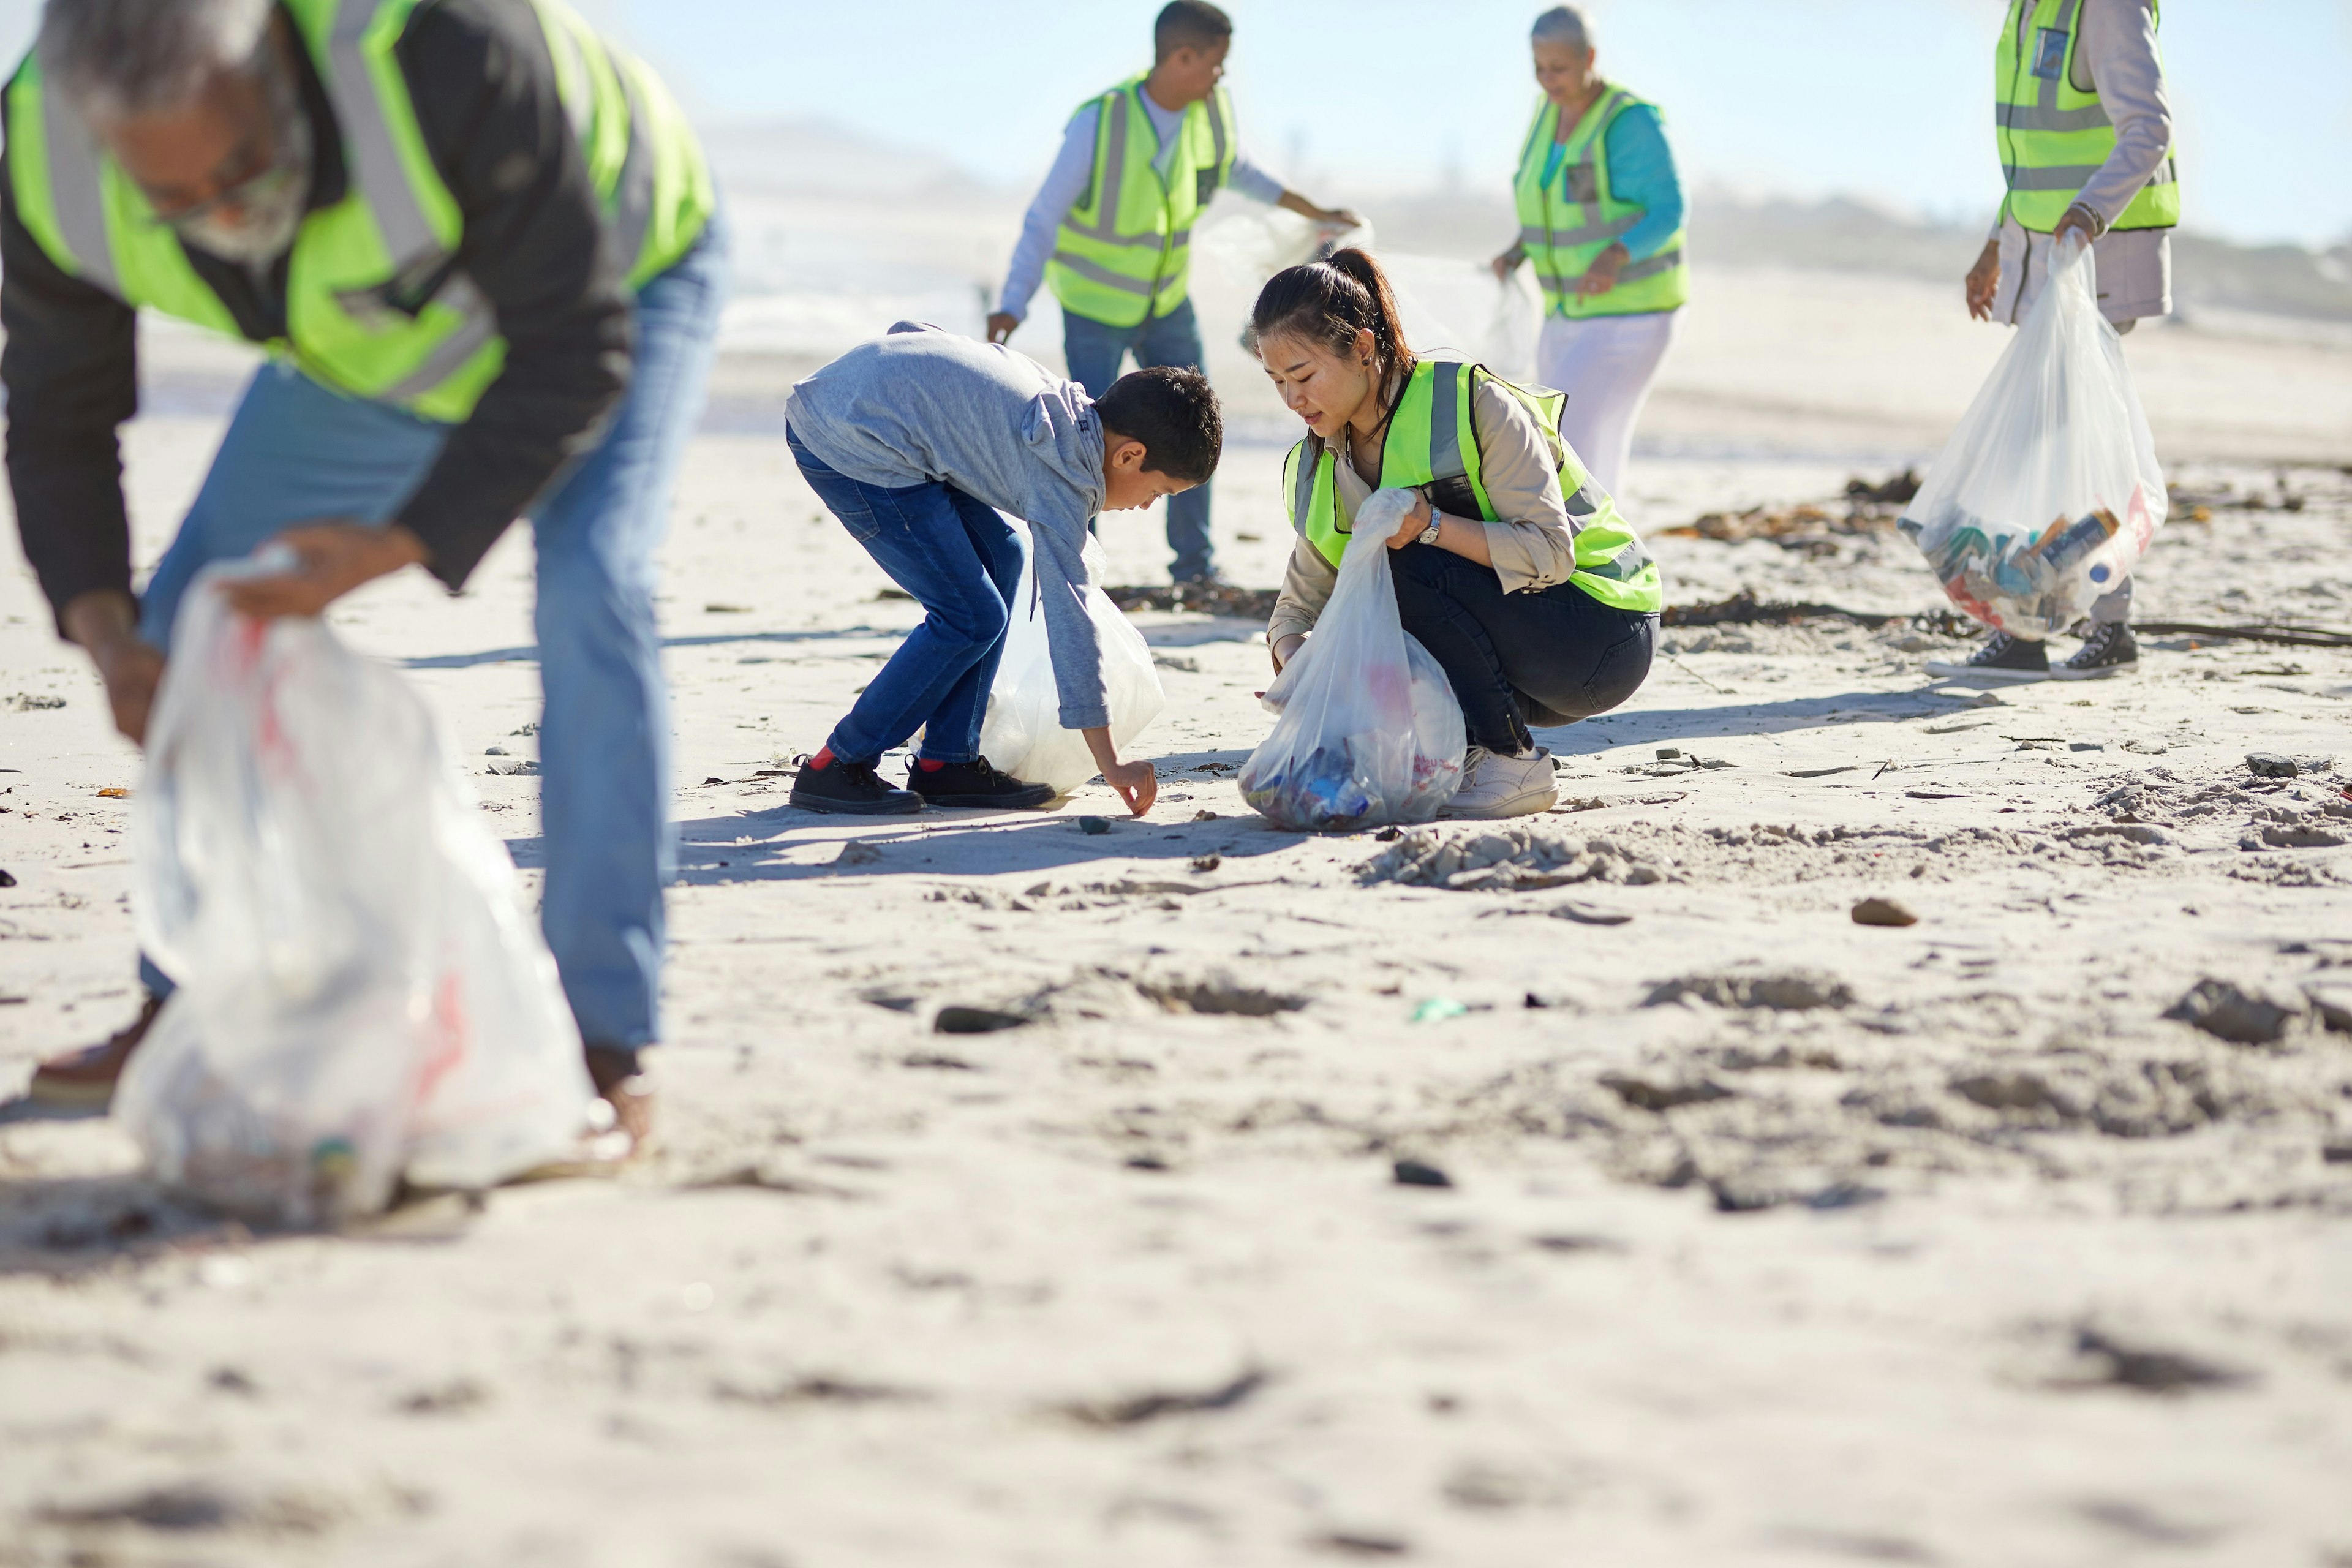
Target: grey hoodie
<point x="920" y="404"/>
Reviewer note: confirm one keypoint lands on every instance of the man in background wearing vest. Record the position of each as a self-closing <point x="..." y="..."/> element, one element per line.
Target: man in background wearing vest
<point x="2085" y="136"/>
<point x="483" y="251"/>
<point x="1110" y="231"/>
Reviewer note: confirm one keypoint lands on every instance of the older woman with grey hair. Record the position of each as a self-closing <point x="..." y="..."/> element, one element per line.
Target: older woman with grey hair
<point x="1600" y="218"/>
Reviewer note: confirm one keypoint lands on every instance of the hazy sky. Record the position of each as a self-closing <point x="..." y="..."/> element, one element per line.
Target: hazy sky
<point x="1883" y="99"/>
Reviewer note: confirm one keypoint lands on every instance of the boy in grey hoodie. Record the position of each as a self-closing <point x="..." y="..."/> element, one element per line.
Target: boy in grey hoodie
<point x="916" y="441"/>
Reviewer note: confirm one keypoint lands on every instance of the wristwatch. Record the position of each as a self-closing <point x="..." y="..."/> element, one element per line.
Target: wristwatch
<point x="1429" y="535"/>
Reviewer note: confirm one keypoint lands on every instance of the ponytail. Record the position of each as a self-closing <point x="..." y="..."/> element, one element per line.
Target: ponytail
<point x="1330" y="302"/>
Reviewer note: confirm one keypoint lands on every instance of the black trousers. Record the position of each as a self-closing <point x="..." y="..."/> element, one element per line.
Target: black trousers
<point x="1545" y="656"/>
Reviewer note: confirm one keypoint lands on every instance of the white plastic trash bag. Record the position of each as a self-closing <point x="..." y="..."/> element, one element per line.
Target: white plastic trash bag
<point x="2047" y="493"/>
<point x="1370" y="731"/>
<point x="359" y="995"/>
<point x="1023" y="732"/>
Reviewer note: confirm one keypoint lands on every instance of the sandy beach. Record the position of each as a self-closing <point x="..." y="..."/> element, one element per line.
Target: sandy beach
<point x="1666" y="1214"/>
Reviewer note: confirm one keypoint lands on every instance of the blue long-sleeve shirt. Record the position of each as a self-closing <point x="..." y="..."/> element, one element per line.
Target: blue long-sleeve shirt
<point x="1640" y="171"/>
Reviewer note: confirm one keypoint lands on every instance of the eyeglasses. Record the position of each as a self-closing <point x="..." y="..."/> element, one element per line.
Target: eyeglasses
<point x="252" y="191"/>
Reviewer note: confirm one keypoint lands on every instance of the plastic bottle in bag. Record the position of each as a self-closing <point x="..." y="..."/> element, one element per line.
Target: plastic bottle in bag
<point x="2049" y="491"/>
<point x="1370" y="731"/>
<point x="358" y="995"/>
<point x="1023" y="732"/>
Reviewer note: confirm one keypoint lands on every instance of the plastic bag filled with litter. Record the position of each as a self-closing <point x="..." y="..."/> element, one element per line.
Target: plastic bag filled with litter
<point x="1023" y="732"/>
<point x="1370" y="731"/>
<point x="2048" y="491"/>
<point x="359" y="996"/>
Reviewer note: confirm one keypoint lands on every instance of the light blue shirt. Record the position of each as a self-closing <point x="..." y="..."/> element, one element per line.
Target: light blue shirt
<point x="1640" y="171"/>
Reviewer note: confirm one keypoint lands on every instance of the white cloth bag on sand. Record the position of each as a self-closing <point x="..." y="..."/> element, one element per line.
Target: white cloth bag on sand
<point x="2049" y="491"/>
<point x="1023" y="732"/>
<point x="359" y="993"/>
<point x="1370" y="731"/>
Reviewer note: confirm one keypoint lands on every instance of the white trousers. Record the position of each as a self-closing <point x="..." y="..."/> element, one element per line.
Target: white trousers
<point x="1605" y="364"/>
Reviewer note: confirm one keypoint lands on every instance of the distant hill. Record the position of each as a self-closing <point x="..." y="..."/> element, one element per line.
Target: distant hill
<point x="1845" y="236"/>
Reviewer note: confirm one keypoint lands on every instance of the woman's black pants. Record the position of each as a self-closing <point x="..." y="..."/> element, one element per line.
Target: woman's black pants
<point x="1545" y="656"/>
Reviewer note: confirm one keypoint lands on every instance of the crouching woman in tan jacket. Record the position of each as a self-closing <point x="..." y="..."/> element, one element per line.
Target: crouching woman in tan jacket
<point x="1513" y="569"/>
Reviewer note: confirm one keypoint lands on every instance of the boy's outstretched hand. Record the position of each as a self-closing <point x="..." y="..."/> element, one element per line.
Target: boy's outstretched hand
<point x="1137" y="783"/>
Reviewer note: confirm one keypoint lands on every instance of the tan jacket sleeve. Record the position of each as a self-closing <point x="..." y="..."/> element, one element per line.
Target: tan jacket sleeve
<point x="1306" y="585"/>
<point x="1534" y="544"/>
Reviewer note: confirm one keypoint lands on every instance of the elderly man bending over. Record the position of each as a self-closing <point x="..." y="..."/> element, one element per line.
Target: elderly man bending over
<point x="482" y="250"/>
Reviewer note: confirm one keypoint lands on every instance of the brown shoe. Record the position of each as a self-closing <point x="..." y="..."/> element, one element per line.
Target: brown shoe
<point x="85" y="1079"/>
<point x="627" y="1090"/>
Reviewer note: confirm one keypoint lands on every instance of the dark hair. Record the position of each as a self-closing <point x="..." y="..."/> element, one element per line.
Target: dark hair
<point x="1330" y="302"/>
<point x="1189" y="24"/>
<point x="1174" y="414"/>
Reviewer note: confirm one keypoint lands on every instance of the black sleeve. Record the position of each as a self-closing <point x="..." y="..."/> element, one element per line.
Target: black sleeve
<point x="483" y="82"/>
<point x="71" y="370"/>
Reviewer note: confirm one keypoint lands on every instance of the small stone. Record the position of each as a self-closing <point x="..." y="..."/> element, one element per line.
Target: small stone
<point x="2336" y="1151"/>
<point x="494" y="751"/>
<point x="957" y="1019"/>
<point x="1094" y="824"/>
<point x="1205" y="816"/>
<point x="1207" y="863"/>
<point x="2227" y="1012"/>
<point x="1882" y="912"/>
<point x="1413" y="1174"/>
<point x="2271" y="765"/>
<point x="1389" y="835"/>
<point x="1669" y="753"/>
<point x="7" y="880"/>
<point x="857" y="852"/>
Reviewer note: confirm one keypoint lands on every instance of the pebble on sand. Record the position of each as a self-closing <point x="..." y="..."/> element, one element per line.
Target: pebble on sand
<point x="2271" y="765"/>
<point x="1413" y="1174"/>
<point x="1882" y="912"/>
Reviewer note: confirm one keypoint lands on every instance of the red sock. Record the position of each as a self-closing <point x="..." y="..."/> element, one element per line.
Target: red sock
<point x="930" y="764"/>
<point x="822" y="760"/>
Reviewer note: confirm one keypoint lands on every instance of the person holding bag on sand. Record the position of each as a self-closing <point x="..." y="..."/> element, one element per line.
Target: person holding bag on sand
<point x="1600" y="218"/>
<point x="1512" y="568"/>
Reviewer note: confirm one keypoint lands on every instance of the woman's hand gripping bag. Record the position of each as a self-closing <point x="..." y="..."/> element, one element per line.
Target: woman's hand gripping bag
<point x="1023" y="732"/>
<point x="2049" y="491"/>
<point x="1370" y="731"/>
<point x="358" y="995"/>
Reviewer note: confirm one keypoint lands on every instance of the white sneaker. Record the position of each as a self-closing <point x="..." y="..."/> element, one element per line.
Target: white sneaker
<point x="1496" y="785"/>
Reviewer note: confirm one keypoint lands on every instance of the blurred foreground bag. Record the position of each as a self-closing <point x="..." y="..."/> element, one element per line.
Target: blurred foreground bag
<point x="359" y="995"/>
<point x="1023" y="732"/>
<point x="1369" y="730"/>
<point x="2047" y="493"/>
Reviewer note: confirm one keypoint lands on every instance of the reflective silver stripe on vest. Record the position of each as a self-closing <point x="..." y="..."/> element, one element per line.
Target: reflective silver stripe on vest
<point x="1302" y="493"/>
<point x="1664" y="261"/>
<point x="2039" y="117"/>
<point x="451" y="353"/>
<point x="1097" y="272"/>
<point x="367" y="141"/>
<point x="633" y="199"/>
<point x="1584" y="234"/>
<point x="1629" y="562"/>
<point x="76" y="186"/>
<point x="1445" y="421"/>
<point x="1581" y="503"/>
<point x="2074" y="176"/>
<point x="1113" y="173"/>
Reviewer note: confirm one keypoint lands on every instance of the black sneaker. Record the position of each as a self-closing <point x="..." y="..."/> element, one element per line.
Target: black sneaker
<point x="853" y="789"/>
<point x="979" y="782"/>
<point x="2110" y="649"/>
<point x="2005" y="658"/>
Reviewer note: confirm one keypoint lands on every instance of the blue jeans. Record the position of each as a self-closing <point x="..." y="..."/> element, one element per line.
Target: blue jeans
<point x="962" y="564"/>
<point x="296" y="451"/>
<point x="1093" y="351"/>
